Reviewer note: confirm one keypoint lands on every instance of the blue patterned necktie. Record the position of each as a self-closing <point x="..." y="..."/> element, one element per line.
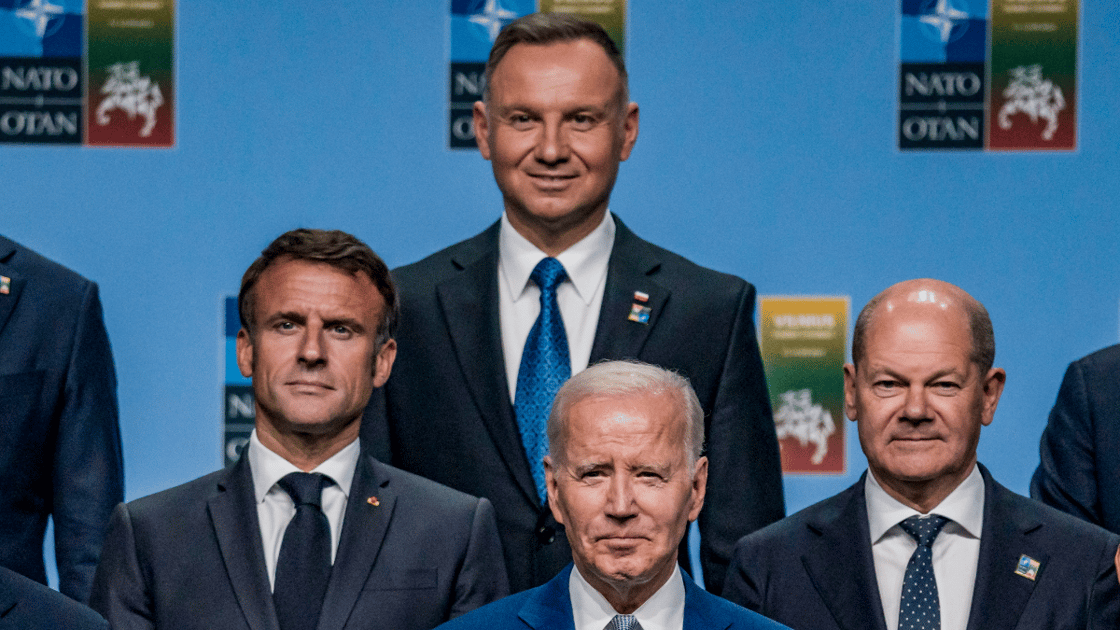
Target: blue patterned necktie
<point x="624" y="622"/>
<point x="920" y="608"/>
<point x="304" y="566"/>
<point x="545" y="365"/>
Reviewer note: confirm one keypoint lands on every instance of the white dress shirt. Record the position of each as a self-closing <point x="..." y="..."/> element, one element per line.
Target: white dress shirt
<point x="275" y="508"/>
<point x="956" y="550"/>
<point x="579" y="297"/>
<point x="664" y="610"/>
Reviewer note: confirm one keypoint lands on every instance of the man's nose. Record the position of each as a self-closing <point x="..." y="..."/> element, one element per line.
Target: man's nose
<point x="620" y="498"/>
<point x="311" y="349"/>
<point x="552" y="146"/>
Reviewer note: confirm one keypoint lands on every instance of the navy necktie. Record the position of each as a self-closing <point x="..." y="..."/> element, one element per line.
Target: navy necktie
<point x="624" y="622"/>
<point x="304" y="566"/>
<point x="545" y="365"/>
<point x="920" y="608"/>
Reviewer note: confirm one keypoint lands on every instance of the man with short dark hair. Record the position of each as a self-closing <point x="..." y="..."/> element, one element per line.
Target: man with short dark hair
<point x="625" y="478"/>
<point x="927" y="539"/>
<point x="493" y="325"/>
<point x="305" y="530"/>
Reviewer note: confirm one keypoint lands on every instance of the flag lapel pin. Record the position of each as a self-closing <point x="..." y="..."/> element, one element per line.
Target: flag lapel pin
<point x="639" y="312"/>
<point x="1028" y="567"/>
<point x="5" y="285"/>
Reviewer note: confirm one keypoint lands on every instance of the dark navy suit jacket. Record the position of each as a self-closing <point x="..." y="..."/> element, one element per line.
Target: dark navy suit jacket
<point x="191" y="557"/>
<point x="814" y="570"/>
<point x="26" y="604"/>
<point x="1079" y="471"/>
<point x="446" y="412"/>
<point x="60" y="450"/>
<point x="549" y="607"/>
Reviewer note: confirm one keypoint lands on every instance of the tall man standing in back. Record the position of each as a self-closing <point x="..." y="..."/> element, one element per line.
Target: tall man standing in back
<point x="492" y="326"/>
<point x="306" y="531"/>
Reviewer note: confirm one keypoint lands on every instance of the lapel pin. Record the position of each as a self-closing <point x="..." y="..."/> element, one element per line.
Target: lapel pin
<point x="5" y="285"/>
<point x="639" y="313"/>
<point x="641" y="297"/>
<point x="373" y="501"/>
<point x="1028" y="567"/>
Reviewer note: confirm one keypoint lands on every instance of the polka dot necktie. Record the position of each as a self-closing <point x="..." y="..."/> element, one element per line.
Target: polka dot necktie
<point x="545" y="365"/>
<point x="920" y="608"/>
<point x="624" y="622"/>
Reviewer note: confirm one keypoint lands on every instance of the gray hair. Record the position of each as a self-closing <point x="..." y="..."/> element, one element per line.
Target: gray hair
<point x="627" y="378"/>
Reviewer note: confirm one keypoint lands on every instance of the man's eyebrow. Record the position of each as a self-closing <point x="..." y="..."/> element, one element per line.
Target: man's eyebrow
<point x="291" y="316"/>
<point x="348" y="322"/>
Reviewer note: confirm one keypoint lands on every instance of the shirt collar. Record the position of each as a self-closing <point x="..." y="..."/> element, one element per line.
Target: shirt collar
<point x="664" y="609"/>
<point x="585" y="262"/>
<point x="964" y="506"/>
<point x="268" y="467"/>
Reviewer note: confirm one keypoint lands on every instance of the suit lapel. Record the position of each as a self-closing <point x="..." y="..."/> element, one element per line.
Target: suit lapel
<point x="549" y="607"/>
<point x="14" y="285"/>
<point x="632" y="267"/>
<point x="1000" y="595"/>
<point x="363" y="531"/>
<point x="233" y="513"/>
<point x="699" y="614"/>
<point x="840" y="564"/>
<point x="470" y="310"/>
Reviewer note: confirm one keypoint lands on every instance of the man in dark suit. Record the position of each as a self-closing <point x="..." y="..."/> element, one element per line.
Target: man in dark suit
<point x="625" y="477"/>
<point x="26" y="604"/>
<point x="305" y="530"/>
<point x="1079" y="472"/>
<point x="927" y="539"/>
<point x="555" y="124"/>
<point x="61" y="453"/>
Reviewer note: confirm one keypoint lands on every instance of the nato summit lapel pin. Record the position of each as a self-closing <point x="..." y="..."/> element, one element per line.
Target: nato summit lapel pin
<point x="373" y="501"/>
<point x="638" y="312"/>
<point x="1028" y="567"/>
<point x="5" y="285"/>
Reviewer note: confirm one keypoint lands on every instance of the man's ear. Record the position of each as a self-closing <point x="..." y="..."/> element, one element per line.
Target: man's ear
<point x="850" y="391"/>
<point x="481" y="128"/>
<point x="993" y="389"/>
<point x="551" y="484"/>
<point x="629" y="131"/>
<point x="245" y="353"/>
<point x="383" y="364"/>
<point x="699" y="488"/>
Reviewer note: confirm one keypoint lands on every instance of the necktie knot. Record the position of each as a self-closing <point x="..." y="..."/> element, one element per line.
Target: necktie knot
<point x="624" y="622"/>
<point x="924" y="528"/>
<point x="548" y="274"/>
<point x="305" y="488"/>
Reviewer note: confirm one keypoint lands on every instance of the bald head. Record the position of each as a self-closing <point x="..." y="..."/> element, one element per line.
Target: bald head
<point x="937" y="297"/>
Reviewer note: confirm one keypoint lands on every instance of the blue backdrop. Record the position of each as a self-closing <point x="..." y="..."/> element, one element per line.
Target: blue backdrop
<point x="767" y="150"/>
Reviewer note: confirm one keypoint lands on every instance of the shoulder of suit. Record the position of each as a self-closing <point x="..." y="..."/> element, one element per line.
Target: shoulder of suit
<point x="419" y="489"/>
<point x="43" y="607"/>
<point x="184" y="497"/>
<point x="1103" y="363"/>
<point x="674" y="264"/>
<point x="1060" y="528"/>
<point x="441" y="263"/>
<point x="809" y="519"/>
<point x="45" y="277"/>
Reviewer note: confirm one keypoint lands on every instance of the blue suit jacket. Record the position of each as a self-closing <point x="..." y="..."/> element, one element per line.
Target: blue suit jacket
<point x="814" y="570"/>
<point x="60" y="454"/>
<point x="549" y="607"/>
<point x="191" y="557"/>
<point x="449" y="417"/>
<point x="25" y="604"/>
<point x="1079" y="471"/>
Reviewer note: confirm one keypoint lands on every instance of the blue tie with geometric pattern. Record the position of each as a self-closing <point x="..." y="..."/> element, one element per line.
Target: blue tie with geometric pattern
<point x="624" y="622"/>
<point x="920" y="608"/>
<point x="545" y="365"/>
